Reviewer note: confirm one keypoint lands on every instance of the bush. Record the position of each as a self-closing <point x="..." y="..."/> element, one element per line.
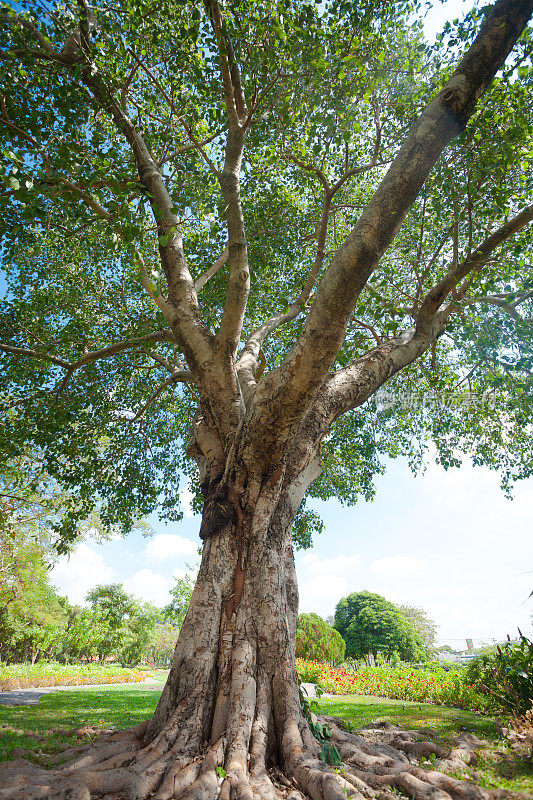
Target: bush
<point x="318" y="641"/>
<point x="505" y="676"/>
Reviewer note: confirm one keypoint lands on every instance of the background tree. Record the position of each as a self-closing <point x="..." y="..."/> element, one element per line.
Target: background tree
<point x="163" y="643"/>
<point x="423" y="625"/>
<point x="372" y="626"/>
<point x="81" y="639"/>
<point x="125" y="626"/>
<point x="129" y="327"/>
<point x="317" y="640"/>
<point x="180" y="594"/>
<point x="31" y="615"/>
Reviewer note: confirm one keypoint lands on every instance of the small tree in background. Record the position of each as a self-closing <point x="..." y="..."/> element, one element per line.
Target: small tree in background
<point x="181" y="593"/>
<point x="318" y="641"/>
<point x="423" y="625"/>
<point x="30" y="614"/>
<point x="163" y="644"/>
<point x="130" y="625"/>
<point x="371" y="625"/>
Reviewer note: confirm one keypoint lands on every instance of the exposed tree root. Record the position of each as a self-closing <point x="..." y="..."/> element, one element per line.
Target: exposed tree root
<point x="378" y="763"/>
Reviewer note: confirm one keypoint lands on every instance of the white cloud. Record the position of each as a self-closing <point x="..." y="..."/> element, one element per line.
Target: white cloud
<point x="76" y="574"/>
<point x="321" y="594"/>
<point x="322" y="566"/>
<point x="186" y="498"/>
<point x="166" y="545"/>
<point x="398" y="566"/>
<point x="149" y="587"/>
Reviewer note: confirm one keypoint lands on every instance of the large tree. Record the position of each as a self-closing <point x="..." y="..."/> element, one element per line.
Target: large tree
<point x="134" y="130"/>
<point x="372" y="626"/>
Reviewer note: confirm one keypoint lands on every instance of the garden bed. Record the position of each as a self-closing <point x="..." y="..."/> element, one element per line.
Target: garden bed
<point x="431" y="684"/>
<point x="23" y="676"/>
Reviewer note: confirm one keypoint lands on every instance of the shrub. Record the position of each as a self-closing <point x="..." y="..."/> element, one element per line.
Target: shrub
<point x="318" y="641"/>
<point x="505" y="676"/>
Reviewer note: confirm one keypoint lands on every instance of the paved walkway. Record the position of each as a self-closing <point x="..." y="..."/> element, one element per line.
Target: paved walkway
<point x="32" y="695"/>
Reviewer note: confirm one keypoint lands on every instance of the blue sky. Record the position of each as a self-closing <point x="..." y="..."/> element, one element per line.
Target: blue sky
<point x="447" y="541"/>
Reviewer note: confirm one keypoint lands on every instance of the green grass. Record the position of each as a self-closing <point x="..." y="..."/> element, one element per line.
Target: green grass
<point x="58" y="713"/>
<point x="445" y="722"/>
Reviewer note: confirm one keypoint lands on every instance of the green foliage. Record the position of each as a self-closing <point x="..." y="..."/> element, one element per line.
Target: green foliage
<point x="163" y="643"/>
<point x="423" y="625"/>
<point x="321" y="73"/>
<point x="181" y="594"/>
<point x="505" y="676"/>
<point x="318" y="641"/>
<point x="127" y="627"/>
<point x="322" y="733"/>
<point x="31" y="615"/>
<point x="371" y="625"/>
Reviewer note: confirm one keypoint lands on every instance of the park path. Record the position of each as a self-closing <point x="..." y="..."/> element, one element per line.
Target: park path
<point x="31" y="695"/>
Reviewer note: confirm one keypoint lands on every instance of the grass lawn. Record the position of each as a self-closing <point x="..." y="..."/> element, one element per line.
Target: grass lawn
<point x="58" y="713"/>
<point x="443" y="721"/>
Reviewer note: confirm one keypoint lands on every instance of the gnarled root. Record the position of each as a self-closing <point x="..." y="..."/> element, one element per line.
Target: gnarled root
<point x="377" y="762"/>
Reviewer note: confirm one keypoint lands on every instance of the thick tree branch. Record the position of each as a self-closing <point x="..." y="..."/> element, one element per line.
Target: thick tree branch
<point x="239" y="275"/>
<point x="88" y="358"/>
<point x="183" y="309"/>
<point x="25" y="351"/>
<point x="351" y="386"/>
<point x="501" y="302"/>
<point x="302" y="372"/>
<point x="436" y="296"/>
<point x="231" y="78"/>
<point x="183" y="376"/>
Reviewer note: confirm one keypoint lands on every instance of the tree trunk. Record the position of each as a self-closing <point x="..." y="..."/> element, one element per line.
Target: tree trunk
<point x="233" y="675"/>
<point x="229" y="724"/>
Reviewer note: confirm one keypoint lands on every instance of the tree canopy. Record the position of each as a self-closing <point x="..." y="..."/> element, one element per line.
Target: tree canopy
<point x="126" y="626"/>
<point x="94" y="378"/>
<point x="226" y="227"/>
<point x="371" y="625"/>
<point x="423" y="625"/>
